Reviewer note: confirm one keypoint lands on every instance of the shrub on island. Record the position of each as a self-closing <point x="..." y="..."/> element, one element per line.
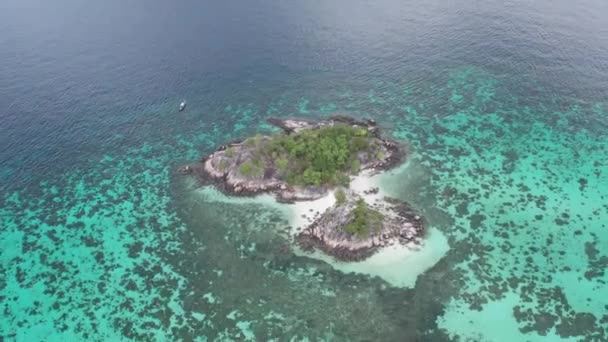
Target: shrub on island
<point x="324" y="156"/>
<point x="365" y="220"/>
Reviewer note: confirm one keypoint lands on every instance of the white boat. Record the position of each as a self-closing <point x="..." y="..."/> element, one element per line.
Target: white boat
<point x="182" y="106"/>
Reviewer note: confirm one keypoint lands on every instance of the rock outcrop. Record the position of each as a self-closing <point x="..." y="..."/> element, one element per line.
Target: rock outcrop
<point x="331" y="231"/>
<point x="400" y="224"/>
<point x="221" y="167"/>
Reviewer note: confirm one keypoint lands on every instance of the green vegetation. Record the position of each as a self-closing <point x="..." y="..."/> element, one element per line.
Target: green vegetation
<point x="281" y="164"/>
<point x="223" y="165"/>
<point x="252" y="168"/>
<point x="249" y="142"/>
<point x="364" y="220"/>
<point x="355" y="165"/>
<point x="324" y="156"/>
<point x="230" y="152"/>
<point x="340" y="196"/>
<point x="257" y="139"/>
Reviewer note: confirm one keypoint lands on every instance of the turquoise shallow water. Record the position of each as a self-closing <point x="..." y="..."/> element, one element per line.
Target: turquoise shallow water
<point x="123" y="247"/>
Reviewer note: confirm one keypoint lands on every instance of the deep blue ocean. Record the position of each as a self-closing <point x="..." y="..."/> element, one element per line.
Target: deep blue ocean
<point x="503" y="104"/>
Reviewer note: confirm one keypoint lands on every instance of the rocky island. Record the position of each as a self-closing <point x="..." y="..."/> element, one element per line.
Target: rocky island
<point x="310" y="160"/>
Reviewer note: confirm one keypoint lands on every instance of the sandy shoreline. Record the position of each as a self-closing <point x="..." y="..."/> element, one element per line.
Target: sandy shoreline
<point x="304" y="212"/>
<point x="398" y="265"/>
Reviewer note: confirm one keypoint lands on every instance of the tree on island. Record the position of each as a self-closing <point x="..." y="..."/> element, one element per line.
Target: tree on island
<point x="324" y="156"/>
<point x="307" y="161"/>
<point x="365" y="220"/>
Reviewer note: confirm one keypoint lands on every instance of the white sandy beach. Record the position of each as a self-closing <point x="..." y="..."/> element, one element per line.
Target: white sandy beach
<point x="398" y="265"/>
<point x="303" y="212"/>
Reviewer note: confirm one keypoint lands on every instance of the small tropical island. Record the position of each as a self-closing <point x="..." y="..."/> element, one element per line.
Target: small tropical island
<point x="311" y="160"/>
